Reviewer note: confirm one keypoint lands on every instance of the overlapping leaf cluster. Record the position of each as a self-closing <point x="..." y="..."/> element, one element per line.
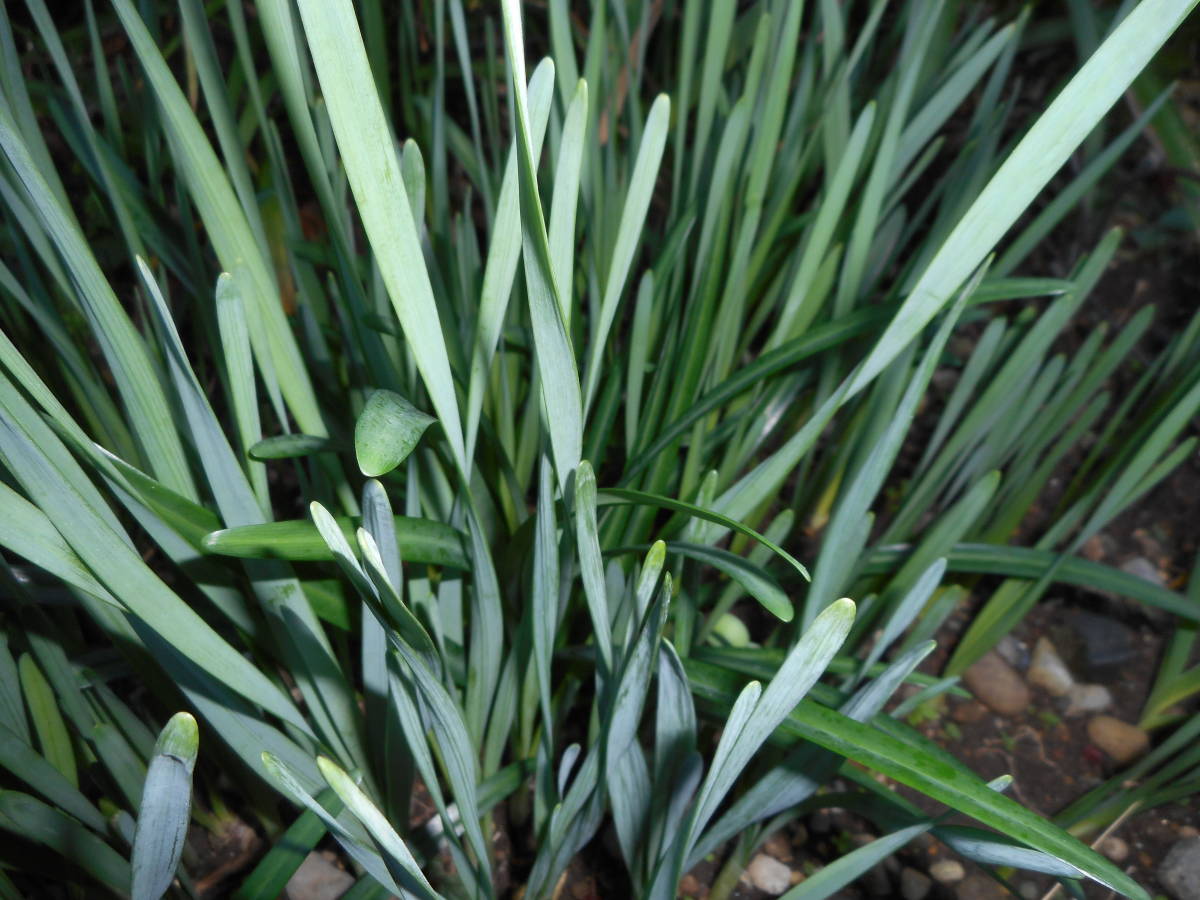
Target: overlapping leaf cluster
<point x="533" y="501"/>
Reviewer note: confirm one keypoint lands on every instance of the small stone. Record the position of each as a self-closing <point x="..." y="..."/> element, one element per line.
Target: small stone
<point x="914" y="885"/>
<point x="1120" y="740"/>
<point x="1087" y="698"/>
<point x="969" y="712"/>
<point x="769" y="875"/>
<point x="690" y="886"/>
<point x="1187" y="831"/>
<point x="980" y="887"/>
<point x="1047" y="670"/>
<point x="997" y="685"/>
<point x="777" y="845"/>
<point x="1142" y="568"/>
<point x="877" y="882"/>
<point x="947" y="871"/>
<point x="318" y="879"/>
<point x="1107" y="645"/>
<point x="1179" y="872"/>
<point x="1115" y="849"/>
<point x="1029" y="890"/>
<point x="1098" y="548"/>
<point x="1013" y="652"/>
<point x="1150" y="544"/>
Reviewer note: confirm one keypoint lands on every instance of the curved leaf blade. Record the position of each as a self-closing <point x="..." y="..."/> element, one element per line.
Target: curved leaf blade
<point x="420" y="541"/>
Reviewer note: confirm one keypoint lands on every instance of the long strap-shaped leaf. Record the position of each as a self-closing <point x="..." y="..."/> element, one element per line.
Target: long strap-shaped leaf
<point x="1030" y="563"/>
<point x="633" y="217"/>
<point x="561" y="393"/>
<point x="226" y="227"/>
<point x="504" y="252"/>
<point x="1056" y="134"/>
<point x="885" y="753"/>
<point x="755" y="715"/>
<point x="373" y="170"/>
<point x="302" y="639"/>
<point x="35" y="821"/>
<point x="118" y="565"/>
<point x="1049" y="143"/>
<point x="137" y="381"/>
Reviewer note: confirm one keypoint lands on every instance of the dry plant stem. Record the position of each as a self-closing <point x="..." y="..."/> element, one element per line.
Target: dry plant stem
<point x="635" y="46"/>
<point x="1116" y="823"/>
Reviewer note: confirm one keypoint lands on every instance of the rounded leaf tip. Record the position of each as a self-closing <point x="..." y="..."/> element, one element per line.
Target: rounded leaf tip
<point x="179" y="738"/>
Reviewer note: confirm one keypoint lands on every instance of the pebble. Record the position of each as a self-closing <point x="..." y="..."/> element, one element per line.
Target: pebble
<point x="1013" y="652"/>
<point x="877" y="882"/>
<point x="1087" y="698"/>
<point x="1098" y="548"/>
<point x="1115" y="849"/>
<point x="779" y="847"/>
<point x="690" y="886"/>
<point x="969" y="712"/>
<point x="980" y="887"/>
<point x="1179" y="872"/>
<point x="1029" y="890"/>
<point x="1120" y="740"/>
<point x="769" y="875"/>
<point x="1107" y="645"/>
<point x="997" y="685"/>
<point x="318" y="879"/>
<point x="947" y="871"/>
<point x="914" y="885"/>
<point x="1047" y="670"/>
<point x="1142" y="568"/>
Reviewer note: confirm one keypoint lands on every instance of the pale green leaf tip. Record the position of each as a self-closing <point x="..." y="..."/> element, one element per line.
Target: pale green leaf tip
<point x="180" y="738"/>
<point x="272" y="766"/>
<point x="843" y="607"/>
<point x="732" y="631"/>
<point x="367" y="546"/>
<point x="334" y="775"/>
